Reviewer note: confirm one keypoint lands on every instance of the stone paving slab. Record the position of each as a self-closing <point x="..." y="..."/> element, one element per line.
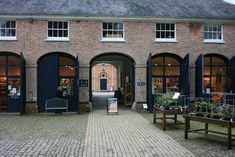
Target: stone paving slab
<point x="128" y="134"/>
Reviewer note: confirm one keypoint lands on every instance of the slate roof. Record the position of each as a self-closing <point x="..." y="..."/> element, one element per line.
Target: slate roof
<point x="121" y="8"/>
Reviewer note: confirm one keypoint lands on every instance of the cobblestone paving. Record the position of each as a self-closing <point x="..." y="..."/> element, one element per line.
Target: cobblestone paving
<point x="198" y="144"/>
<point x="128" y="134"/>
<point x="42" y="135"/>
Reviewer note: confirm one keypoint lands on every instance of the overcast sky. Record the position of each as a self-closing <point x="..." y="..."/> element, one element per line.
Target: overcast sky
<point x="230" y="1"/>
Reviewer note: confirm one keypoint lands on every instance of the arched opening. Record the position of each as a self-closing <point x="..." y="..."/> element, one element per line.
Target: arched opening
<point x="166" y="73"/>
<point x="58" y="71"/>
<point x="12" y="82"/>
<point x="212" y="74"/>
<point x="215" y="73"/>
<point x="104" y="77"/>
<point x="112" y="74"/>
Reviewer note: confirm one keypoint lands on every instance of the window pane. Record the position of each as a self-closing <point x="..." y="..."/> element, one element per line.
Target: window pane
<point x="60" y="33"/>
<point x="3" y="32"/>
<point x="65" y="33"/>
<point x="158" y="35"/>
<point x="67" y="86"/>
<point x="13" y="24"/>
<point x="49" y="24"/>
<point x="158" y="60"/>
<point x="121" y="26"/>
<point x="172" y="35"/>
<point x="172" y="85"/>
<point x="3" y="59"/>
<point x="8" y="24"/>
<point x="60" y="25"/>
<point x="14" y="84"/>
<point x="171" y="61"/>
<point x="50" y="33"/>
<point x="65" y="25"/>
<point x="206" y="36"/>
<point x="158" y="26"/>
<point x="3" y="24"/>
<point x="110" y="34"/>
<point x="55" y="25"/>
<point x="120" y="34"/>
<point x="14" y="70"/>
<point x="157" y="70"/>
<point x="217" y="61"/>
<point x="13" y="32"/>
<point x="172" y="26"/>
<point x="167" y="26"/>
<point x="67" y="70"/>
<point x="206" y="70"/>
<point x="163" y="26"/>
<point x="115" y="25"/>
<point x="163" y="35"/>
<point x="172" y="70"/>
<point x="105" y="25"/>
<point x="110" y="26"/>
<point x="13" y="60"/>
<point x="3" y="70"/>
<point x="219" y="71"/>
<point x="55" y="33"/>
<point x="66" y="61"/>
<point x="105" y="34"/>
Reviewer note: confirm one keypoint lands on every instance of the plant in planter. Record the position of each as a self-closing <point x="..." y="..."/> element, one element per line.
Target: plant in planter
<point x="165" y="102"/>
<point x="226" y="112"/>
<point x="216" y="112"/>
<point x="201" y="108"/>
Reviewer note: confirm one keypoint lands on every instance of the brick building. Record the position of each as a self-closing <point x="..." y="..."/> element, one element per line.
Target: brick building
<point x="156" y="45"/>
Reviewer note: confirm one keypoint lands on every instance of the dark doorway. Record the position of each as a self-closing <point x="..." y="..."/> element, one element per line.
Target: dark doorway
<point x="58" y="71"/>
<point x="12" y="82"/>
<point x="103" y="84"/>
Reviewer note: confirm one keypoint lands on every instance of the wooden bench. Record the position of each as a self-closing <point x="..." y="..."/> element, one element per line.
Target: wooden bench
<point x="164" y="115"/>
<point x="56" y="104"/>
<point x="227" y="124"/>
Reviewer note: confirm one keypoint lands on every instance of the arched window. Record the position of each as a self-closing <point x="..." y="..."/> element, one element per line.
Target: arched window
<point x="215" y="73"/>
<point x="165" y="73"/>
<point x="10" y="82"/>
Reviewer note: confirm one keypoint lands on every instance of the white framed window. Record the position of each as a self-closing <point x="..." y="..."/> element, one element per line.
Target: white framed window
<point x="165" y="32"/>
<point x="112" y="31"/>
<point x="213" y="33"/>
<point x="58" y="31"/>
<point x="7" y="30"/>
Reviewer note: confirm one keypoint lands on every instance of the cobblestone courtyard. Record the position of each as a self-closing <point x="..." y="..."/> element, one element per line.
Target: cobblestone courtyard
<point x="42" y="135"/>
<point x="97" y="134"/>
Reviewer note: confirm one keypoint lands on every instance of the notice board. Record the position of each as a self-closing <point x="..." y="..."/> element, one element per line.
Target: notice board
<point x="112" y="105"/>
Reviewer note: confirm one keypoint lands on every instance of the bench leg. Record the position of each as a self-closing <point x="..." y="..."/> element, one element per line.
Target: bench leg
<point x="187" y="126"/>
<point x="175" y="118"/>
<point x="164" y="121"/>
<point x="206" y="128"/>
<point x="229" y="136"/>
<point x="154" y="115"/>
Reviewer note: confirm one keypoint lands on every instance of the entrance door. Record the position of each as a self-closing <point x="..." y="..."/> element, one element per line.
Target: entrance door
<point x="58" y="70"/>
<point x="103" y="84"/>
<point x="47" y="79"/>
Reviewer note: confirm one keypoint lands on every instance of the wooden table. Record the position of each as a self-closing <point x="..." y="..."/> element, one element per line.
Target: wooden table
<point x="208" y="121"/>
<point x="164" y="117"/>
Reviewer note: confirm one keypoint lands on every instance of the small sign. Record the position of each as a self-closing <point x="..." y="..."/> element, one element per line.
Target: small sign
<point x="83" y="83"/>
<point x="112" y="106"/>
<point x="176" y="95"/>
<point x="140" y="83"/>
<point x="145" y="106"/>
